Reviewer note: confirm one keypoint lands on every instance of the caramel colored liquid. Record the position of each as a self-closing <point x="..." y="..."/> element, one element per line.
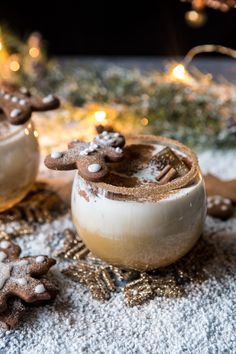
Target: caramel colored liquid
<point x="142" y="253"/>
<point x="140" y="235"/>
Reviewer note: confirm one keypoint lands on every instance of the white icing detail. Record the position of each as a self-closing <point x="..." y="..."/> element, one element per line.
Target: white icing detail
<point x="107" y="138"/>
<point x="95" y="146"/>
<point x="23" y="90"/>
<point x="223" y="207"/>
<point x="48" y="99"/>
<point x="84" y="152"/>
<point x="101" y="140"/>
<point x="14" y="99"/>
<point x="5" y="273"/>
<point x="94" y="167"/>
<point x="2" y="256"/>
<point x="5" y="244"/>
<point x="92" y="147"/>
<point x="40" y="259"/>
<point x="22" y="102"/>
<point x="20" y="281"/>
<point x="118" y="150"/>
<point x="39" y="289"/>
<point x="217" y="202"/>
<point x="7" y="96"/>
<point x="227" y="201"/>
<point x="15" y="112"/>
<point x="56" y="154"/>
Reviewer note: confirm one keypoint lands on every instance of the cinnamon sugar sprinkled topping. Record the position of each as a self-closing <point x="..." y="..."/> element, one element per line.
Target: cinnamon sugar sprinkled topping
<point x="152" y="190"/>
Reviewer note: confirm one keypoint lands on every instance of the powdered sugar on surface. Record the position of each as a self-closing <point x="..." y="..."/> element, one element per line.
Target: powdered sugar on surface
<point x="218" y="162"/>
<point x="201" y="322"/>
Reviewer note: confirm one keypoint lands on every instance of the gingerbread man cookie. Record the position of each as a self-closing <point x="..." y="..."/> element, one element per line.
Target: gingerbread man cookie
<point x="219" y="207"/>
<point x="89" y="158"/>
<point x="17" y="104"/>
<point x="22" y="277"/>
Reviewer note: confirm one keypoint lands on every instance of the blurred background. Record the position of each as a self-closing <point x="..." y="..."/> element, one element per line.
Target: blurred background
<point x="120" y="27"/>
<point x="126" y="64"/>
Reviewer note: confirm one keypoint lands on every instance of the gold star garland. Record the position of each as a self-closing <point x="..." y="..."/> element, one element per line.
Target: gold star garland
<point x="73" y="248"/>
<point x="97" y="279"/>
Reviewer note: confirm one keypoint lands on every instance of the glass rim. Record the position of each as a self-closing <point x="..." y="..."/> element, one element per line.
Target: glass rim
<point x="156" y="191"/>
<point x="14" y="132"/>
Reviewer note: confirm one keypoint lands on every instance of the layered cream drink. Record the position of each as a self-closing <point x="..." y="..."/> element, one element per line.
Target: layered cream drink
<point x="19" y="160"/>
<point x="19" y="150"/>
<point x="146" y="210"/>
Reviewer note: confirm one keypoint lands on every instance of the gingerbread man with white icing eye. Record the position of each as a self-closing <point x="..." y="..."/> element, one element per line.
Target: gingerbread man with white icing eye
<point x="17" y="103"/>
<point x="20" y="277"/>
<point x="89" y="158"/>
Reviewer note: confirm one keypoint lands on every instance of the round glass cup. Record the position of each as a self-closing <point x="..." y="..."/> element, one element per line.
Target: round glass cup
<point x="143" y="227"/>
<point x="19" y="161"/>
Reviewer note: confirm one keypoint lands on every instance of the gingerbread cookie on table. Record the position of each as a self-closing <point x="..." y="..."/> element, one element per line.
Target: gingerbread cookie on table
<point x="89" y="158"/>
<point x="219" y="207"/>
<point x="23" y="278"/>
<point x="17" y="103"/>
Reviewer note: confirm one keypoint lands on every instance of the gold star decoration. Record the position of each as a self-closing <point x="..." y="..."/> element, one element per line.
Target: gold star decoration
<point x="74" y="247"/>
<point x="97" y="280"/>
<point x="139" y="287"/>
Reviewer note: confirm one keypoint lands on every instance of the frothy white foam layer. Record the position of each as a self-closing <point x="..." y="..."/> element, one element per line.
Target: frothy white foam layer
<point x="151" y="172"/>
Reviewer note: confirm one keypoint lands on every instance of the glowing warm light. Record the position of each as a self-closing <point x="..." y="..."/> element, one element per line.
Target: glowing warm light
<point x="1" y="46"/>
<point x="195" y="18"/>
<point x="26" y="131"/>
<point x="100" y="116"/>
<point x="179" y="71"/>
<point x="192" y="15"/>
<point x="144" y="121"/>
<point x="36" y="134"/>
<point x="34" y="52"/>
<point x="14" y="65"/>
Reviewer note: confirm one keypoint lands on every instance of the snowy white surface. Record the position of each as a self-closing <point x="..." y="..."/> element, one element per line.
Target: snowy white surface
<point x="219" y="163"/>
<point x="201" y="322"/>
